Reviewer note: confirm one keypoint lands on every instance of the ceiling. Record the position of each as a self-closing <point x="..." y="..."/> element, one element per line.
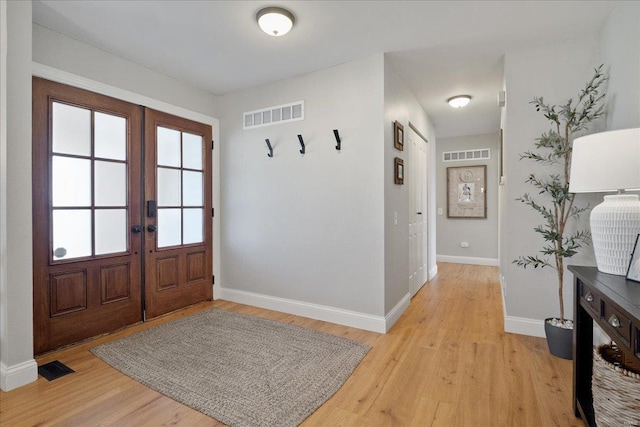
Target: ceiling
<point x="440" y="48"/>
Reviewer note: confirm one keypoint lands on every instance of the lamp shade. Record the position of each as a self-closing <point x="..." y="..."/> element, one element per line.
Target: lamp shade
<point x="606" y="161"/>
<point x="603" y="162"/>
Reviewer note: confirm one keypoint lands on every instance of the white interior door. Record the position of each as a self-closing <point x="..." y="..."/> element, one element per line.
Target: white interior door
<point x="417" y="211"/>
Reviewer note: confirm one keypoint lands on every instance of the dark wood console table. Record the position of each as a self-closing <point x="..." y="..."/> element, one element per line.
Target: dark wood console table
<point x="614" y="304"/>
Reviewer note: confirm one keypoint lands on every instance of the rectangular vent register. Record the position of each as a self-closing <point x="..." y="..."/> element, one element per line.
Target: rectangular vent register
<point x="291" y="112"/>
<point x="454" y="156"/>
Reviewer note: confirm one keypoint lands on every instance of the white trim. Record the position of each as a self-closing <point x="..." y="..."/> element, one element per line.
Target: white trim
<point x="494" y="262"/>
<point x="313" y="311"/>
<point x="433" y="272"/>
<point x="395" y="313"/>
<point x="60" y="76"/>
<point x="15" y="376"/>
<point x="524" y="326"/>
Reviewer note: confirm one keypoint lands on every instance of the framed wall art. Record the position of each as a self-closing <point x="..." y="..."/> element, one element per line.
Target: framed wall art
<point x="633" y="272"/>
<point x="398" y="135"/>
<point x="398" y="171"/>
<point x="466" y="192"/>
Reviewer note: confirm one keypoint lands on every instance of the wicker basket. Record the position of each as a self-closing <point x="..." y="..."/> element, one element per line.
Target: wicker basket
<point x="616" y="390"/>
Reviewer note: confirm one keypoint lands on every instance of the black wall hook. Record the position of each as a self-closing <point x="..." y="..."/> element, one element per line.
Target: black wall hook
<point x="270" y="148"/>
<point x="337" y="135"/>
<point x="301" y="144"/>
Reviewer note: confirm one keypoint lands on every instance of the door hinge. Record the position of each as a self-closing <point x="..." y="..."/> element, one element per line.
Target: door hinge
<point x="212" y="144"/>
<point x="213" y="212"/>
<point x="213" y="280"/>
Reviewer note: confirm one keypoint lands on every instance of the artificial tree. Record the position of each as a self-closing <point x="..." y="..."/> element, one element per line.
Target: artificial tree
<point x="554" y="149"/>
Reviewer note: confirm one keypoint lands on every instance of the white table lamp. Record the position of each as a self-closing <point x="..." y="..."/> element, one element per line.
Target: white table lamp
<point x="608" y="162"/>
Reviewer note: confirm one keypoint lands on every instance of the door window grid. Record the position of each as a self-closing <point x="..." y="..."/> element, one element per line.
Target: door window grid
<point x="179" y="192"/>
<point x="85" y="229"/>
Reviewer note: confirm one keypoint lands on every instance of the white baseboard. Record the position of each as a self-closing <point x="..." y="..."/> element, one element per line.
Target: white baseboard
<point x="433" y="272"/>
<point x="15" y="376"/>
<point x="314" y="311"/>
<point x="495" y="262"/>
<point x="524" y="326"/>
<point x="396" y="312"/>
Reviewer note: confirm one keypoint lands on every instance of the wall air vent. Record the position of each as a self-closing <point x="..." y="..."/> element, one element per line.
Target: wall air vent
<point x="273" y="115"/>
<point x="456" y="156"/>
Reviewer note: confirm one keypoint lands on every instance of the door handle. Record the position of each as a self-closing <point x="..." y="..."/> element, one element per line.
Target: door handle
<point x="137" y="229"/>
<point x="419" y="213"/>
<point x="151" y="228"/>
<point x="151" y="208"/>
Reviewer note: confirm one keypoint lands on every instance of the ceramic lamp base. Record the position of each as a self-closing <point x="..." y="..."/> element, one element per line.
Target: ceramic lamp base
<point x="615" y="223"/>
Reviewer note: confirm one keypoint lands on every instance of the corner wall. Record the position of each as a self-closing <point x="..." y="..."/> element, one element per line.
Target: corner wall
<point x="304" y="233"/>
<point x="400" y="104"/>
<point x="17" y="365"/>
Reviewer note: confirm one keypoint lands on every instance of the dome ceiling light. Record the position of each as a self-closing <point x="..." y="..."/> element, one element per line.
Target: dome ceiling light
<point x="459" y="101"/>
<point x="275" y="21"/>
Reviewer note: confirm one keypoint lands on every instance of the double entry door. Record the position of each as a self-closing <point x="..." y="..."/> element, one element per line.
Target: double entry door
<point x="122" y="227"/>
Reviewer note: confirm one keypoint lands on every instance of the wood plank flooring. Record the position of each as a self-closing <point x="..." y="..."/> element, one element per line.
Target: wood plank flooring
<point x="446" y="362"/>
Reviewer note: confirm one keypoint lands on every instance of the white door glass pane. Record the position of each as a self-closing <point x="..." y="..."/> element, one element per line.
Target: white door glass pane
<point x="110" y="136"/>
<point x="71" y="233"/>
<point x="169" y="227"/>
<point x="71" y="181"/>
<point x="110" y="184"/>
<point x="191" y="188"/>
<point x="168" y="147"/>
<point x="191" y="151"/>
<point x="71" y="130"/>
<point x="111" y="231"/>
<point x="168" y="187"/>
<point x="192" y="226"/>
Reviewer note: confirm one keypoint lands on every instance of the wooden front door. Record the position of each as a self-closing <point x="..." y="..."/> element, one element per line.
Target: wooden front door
<point x="86" y="206"/>
<point x="178" y="255"/>
<point x="94" y="236"/>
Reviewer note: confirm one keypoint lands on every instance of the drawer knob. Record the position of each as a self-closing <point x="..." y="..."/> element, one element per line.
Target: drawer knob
<point x="614" y="321"/>
<point x="589" y="297"/>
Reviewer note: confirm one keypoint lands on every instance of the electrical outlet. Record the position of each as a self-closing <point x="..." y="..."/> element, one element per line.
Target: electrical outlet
<point x="464" y="244"/>
<point x="395" y="218"/>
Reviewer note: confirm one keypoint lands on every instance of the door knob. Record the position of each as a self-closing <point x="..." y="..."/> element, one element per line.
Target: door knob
<point x="137" y="228"/>
<point x="151" y="228"/>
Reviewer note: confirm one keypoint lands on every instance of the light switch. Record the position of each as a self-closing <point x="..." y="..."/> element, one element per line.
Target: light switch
<point x="395" y="217"/>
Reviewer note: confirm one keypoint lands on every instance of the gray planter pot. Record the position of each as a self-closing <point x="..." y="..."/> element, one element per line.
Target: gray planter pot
<point x="559" y="340"/>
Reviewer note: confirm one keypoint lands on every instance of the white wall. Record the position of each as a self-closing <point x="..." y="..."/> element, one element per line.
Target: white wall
<point x="557" y="73"/>
<point x="620" y="52"/>
<point x="64" y="53"/>
<point x="401" y="105"/>
<point x="481" y="234"/>
<point x="306" y="231"/>
<point x="17" y="365"/>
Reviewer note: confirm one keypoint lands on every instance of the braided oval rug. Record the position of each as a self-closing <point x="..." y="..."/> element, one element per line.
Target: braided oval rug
<point x="241" y="370"/>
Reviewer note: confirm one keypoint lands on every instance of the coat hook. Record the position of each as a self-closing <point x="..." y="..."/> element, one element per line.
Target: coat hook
<point x="337" y="135"/>
<point x="270" y="148"/>
<point x="301" y="144"/>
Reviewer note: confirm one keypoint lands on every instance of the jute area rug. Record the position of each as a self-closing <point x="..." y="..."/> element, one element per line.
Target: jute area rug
<point x="241" y="370"/>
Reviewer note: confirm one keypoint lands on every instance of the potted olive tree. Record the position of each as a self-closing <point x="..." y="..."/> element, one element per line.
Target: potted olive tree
<point x="553" y="201"/>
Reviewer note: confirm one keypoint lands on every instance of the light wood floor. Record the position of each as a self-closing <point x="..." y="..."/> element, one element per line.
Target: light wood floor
<point x="446" y="362"/>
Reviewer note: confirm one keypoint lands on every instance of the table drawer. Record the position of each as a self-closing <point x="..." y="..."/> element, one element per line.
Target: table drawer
<point x="590" y="300"/>
<point x="618" y="322"/>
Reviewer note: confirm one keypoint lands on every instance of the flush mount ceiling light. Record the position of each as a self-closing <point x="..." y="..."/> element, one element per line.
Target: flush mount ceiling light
<point x="459" y="101"/>
<point x="275" y="21"/>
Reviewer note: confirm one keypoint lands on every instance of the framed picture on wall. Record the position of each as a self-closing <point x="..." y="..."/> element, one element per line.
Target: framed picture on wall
<point x="398" y="135"/>
<point x="398" y="171"/>
<point x="466" y="192"/>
